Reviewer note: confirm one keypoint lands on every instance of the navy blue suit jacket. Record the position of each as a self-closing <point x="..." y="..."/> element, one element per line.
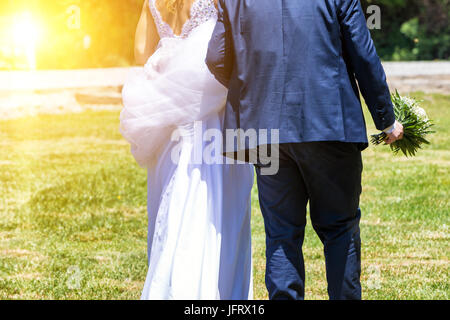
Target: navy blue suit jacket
<point x="299" y="66"/>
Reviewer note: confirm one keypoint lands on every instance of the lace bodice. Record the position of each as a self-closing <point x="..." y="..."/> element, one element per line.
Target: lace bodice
<point x="201" y="11"/>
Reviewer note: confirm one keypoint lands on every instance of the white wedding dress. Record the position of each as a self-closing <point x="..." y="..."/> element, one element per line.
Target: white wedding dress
<point x="199" y="214"/>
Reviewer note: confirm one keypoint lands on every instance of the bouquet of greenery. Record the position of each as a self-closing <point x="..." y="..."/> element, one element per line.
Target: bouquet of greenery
<point x="415" y="123"/>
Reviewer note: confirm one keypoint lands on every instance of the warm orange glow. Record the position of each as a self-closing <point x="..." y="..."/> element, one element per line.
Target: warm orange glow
<point x="53" y="35"/>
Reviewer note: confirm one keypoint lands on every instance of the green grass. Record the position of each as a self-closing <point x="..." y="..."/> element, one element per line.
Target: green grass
<point x="73" y="217"/>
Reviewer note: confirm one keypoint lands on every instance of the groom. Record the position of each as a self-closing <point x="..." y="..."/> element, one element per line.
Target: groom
<point x="299" y="66"/>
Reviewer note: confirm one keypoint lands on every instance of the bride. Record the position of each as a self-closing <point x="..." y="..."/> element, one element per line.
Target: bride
<point x="199" y="244"/>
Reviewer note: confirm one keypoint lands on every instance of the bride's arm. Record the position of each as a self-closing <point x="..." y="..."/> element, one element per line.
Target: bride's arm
<point x="146" y="38"/>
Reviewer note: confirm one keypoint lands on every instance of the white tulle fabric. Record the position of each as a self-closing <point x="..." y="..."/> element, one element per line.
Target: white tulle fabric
<point x="199" y="215"/>
<point x="174" y="88"/>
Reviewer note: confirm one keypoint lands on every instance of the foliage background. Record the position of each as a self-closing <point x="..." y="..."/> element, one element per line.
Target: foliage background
<point x="410" y="30"/>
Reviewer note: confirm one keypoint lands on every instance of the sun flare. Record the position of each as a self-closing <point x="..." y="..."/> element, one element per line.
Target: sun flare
<point x="26" y="33"/>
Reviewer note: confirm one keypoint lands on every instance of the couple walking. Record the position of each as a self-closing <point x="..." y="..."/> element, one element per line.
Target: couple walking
<point x="293" y="66"/>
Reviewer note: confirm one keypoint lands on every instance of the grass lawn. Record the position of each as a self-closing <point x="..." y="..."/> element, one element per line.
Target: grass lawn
<point x="73" y="218"/>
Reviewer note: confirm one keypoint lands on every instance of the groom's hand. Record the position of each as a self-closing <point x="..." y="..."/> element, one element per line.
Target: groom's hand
<point x="396" y="134"/>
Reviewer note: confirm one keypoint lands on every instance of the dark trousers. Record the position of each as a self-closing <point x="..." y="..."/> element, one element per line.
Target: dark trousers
<point x="328" y="176"/>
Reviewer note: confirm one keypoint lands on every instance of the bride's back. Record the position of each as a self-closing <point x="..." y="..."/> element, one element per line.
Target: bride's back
<point x="177" y="18"/>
